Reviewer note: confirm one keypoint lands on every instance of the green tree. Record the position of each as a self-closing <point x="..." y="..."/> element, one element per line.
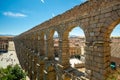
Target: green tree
<point x="12" y="73"/>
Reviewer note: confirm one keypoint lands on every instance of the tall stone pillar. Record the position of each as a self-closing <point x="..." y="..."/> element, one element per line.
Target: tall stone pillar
<point x="49" y="71"/>
<point x="66" y="77"/>
<point x="24" y="58"/>
<point x="27" y="59"/>
<point x="42" y="45"/>
<point x="51" y="75"/>
<point x="38" y="45"/>
<point x="35" y="67"/>
<point x="42" y="65"/>
<point x="64" y="51"/>
<point x="40" y="68"/>
<point x="97" y="60"/>
<point x="63" y="62"/>
<point x="30" y="66"/>
<point x="31" y="43"/>
<point x="49" y="47"/>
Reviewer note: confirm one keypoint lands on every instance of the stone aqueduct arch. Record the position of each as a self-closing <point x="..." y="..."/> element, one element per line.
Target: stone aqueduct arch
<point x="97" y="18"/>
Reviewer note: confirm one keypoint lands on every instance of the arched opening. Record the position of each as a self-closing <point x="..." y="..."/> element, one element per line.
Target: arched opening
<point x="72" y="58"/>
<point x="76" y="48"/>
<point x="112" y="45"/>
<point x="56" y="48"/>
<point x="115" y="45"/>
<point x="53" y="45"/>
<point x="56" y="45"/>
<point x="53" y="54"/>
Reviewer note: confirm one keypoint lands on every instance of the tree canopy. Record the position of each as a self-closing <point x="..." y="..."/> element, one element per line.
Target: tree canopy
<point x="12" y="73"/>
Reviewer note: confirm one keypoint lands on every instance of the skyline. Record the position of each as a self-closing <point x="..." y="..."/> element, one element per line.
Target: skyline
<point x="19" y="16"/>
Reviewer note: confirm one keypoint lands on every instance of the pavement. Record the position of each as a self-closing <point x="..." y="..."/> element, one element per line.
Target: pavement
<point x="10" y="57"/>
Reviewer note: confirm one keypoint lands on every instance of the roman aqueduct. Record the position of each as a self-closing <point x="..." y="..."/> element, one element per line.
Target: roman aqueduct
<point x="35" y="47"/>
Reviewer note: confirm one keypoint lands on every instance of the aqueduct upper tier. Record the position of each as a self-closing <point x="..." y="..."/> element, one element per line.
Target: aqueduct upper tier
<point x="97" y="18"/>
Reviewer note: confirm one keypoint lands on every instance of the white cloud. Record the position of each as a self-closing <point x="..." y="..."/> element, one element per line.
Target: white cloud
<point x="12" y="14"/>
<point x="53" y="15"/>
<point x="42" y="1"/>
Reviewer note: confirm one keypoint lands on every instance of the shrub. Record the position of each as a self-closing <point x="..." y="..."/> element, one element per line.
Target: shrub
<point x="12" y="73"/>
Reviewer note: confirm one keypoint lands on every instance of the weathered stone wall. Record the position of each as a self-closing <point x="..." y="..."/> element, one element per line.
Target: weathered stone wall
<point x="97" y="18"/>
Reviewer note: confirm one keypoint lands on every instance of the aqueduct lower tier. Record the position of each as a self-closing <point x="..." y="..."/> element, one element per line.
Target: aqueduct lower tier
<point x="97" y="18"/>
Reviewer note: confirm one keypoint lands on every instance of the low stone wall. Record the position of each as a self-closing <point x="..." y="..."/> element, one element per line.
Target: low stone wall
<point x="80" y="65"/>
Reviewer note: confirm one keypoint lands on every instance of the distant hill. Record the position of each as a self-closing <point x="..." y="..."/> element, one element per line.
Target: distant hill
<point x="71" y="36"/>
<point x="6" y="35"/>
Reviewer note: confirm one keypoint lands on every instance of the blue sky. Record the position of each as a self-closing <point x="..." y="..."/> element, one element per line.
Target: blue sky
<point x="116" y="31"/>
<point x="17" y="16"/>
